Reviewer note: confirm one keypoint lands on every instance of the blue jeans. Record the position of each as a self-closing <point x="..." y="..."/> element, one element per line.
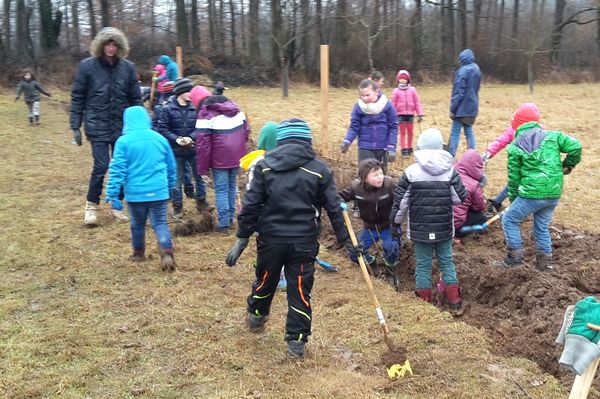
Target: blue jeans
<point x="225" y="182"/>
<point x="101" y="152"/>
<point x="139" y="212"/>
<point x="187" y="173"/>
<point x="455" y="136"/>
<point x="542" y="210"/>
<point x="391" y="247"/>
<point x="181" y="166"/>
<point x="424" y="257"/>
<point x="501" y="195"/>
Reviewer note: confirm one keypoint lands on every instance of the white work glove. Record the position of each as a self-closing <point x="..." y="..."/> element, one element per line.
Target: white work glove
<point x="185" y="141"/>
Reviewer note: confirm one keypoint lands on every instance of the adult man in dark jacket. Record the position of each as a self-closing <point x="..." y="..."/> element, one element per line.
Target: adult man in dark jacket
<point x="464" y="104"/>
<point x="283" y="205"/>
<point x="105" y="84"/>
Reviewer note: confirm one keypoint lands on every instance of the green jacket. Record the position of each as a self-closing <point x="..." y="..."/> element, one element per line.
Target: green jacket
<point x="535" y="169"/>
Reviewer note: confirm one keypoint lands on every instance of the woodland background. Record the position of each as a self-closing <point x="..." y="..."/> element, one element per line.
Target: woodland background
<point x="258" y="41"/>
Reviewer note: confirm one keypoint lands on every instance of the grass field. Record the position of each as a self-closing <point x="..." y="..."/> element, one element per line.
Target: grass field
<point x="78" y="320"/>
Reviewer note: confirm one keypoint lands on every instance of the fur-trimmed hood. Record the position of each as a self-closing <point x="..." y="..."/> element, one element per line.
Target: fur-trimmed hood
<point x="106" y="35"/>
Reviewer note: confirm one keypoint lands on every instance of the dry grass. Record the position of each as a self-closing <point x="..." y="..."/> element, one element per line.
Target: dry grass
<point x="78" y="320"/>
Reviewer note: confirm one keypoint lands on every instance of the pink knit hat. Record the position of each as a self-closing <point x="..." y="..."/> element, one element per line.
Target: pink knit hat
<point x="197" y="95"/>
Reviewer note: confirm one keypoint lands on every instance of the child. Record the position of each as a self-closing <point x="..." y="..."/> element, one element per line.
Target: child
<point x="171" y="74"/>
<point x="406" y="101"/>
<point x="535" y="183"/>
<point x="470" y="212"/>
<point x="283" y="205"/>
<point x="374" y="194"/>
<point x="160" y="72"/>
<point x="31" y="89"/>
<point x="379" y="79"/>
<point x="177" y="122"/>
<point x="426" y="193"/>
<point x="221" y="135"/>
<point x="527" y="111"/>
<point x="143" y="166"/>
<point x="374" y="122"/>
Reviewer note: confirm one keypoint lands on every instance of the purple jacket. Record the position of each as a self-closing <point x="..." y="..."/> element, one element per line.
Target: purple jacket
<point x="376" y="125"/>
<point x="470" y="169"/>
<point x="221" y="135"/>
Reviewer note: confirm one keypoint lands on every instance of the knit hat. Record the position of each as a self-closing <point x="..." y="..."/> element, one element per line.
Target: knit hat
<point x="293" y="129"/>
<point x="527" y="112"/>
<point x="219" y="88"/>
<point x="182" y="85"/>
<point x="430" y="139"/>
<point x="167" y="87"/>
<point x="197" y="95"/>
<point x="267" y="139"/>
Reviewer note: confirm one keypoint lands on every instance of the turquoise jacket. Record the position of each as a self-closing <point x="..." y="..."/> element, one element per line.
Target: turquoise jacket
<point x="143" y="163"/>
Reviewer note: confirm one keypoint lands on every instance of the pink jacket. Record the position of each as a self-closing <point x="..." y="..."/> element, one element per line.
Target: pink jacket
<point x="470" y="169"/>
<point x="406" y="101"/>
<point x="160" y="68"/>
<point x="501" y="141"/>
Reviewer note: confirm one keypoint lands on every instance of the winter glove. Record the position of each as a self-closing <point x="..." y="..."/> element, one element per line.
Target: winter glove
<point x="420" y="118"/>
<point x="483" y="181"/>
<point x="485" y="157"/>
<point x="77" y="136"/>
<point x="184" y="141"/>
<point x="236" y="251"/>
<point x="344" y="147"/>
<point x="391" y="156"/>
<point x="115" y="203"/>
<point x="566" y="169"/>
<point x="581" y="342"/>
<point x="351" y="250"/>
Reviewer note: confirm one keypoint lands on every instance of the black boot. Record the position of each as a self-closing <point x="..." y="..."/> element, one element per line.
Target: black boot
<point x="37" y="119"/>
<point x="513" y="258"/>
<point x="31" y="121"/>
<point x="543" y="262"/>
<point x="177" y="210"/>
<point x="189" y="191"/>
<point x="201" y="204"/>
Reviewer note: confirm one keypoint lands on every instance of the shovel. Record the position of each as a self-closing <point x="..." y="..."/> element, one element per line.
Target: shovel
<point x="365" y="273"/>
<point x="477" y="228"/>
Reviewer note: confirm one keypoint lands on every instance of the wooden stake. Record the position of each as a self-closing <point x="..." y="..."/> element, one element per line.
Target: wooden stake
<point x="152" y="90"/>
<point x="179" y="56"/>
<point x="583" y="383"/>
<point x="325" y="100"/>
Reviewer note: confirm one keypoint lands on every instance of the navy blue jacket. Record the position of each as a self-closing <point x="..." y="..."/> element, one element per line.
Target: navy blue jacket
<point x="99" y="96"/>
<point x="176" y="121"/>
<point x="465" y="90"/>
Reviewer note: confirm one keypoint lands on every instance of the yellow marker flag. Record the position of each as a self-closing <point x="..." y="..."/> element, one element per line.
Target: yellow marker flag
<point x="398" y="370"/>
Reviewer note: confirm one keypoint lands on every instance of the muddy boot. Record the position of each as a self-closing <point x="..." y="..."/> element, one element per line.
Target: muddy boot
<point x="37" y="119"/>
<point x="296" y="349"/>
<point x="424" y="294"/>
<point x="201" y="204"/>
<point x="167" y="261"/>
<point x="255" y="323"/>
<point x="137" y="255"/>
<point x="189" y="191"/>
<point x="31" y="121"/>
<point x="177" y="210"/>
<point x="91" y="214"/>
<point x="452" y="292"/>
<point x="543" y="262"/>
<point x="513" y="258"/>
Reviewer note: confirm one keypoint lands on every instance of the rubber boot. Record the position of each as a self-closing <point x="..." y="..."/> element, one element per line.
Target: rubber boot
<point x="201" y="204"/>
<point x="37" y="119"/>
<point x="543" y="262"/>
<point x="31" y="121"/>
<point x="513" y="258"/>
<point x="177" y="210"/>
<point x="137" y="255"/>
<point x="189" y="191"/>
<point x="167" y="260"/>
<point x="256" y="323"/>
<point x="424" y="294"/>
<point x="452" y="292"/>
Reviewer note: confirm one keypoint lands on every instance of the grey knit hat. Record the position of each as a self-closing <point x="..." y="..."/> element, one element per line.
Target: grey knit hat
<point x="182" y="85"/>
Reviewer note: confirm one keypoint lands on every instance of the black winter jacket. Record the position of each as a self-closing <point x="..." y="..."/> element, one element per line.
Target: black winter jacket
<point x="288" y="190"/>
<point x="100" y="94"/>
<point x="374" y="204"/>
<point x="176" y="121"/>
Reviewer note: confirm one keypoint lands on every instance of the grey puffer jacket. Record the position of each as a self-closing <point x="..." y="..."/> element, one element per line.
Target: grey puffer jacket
<point x="30" y="89"/>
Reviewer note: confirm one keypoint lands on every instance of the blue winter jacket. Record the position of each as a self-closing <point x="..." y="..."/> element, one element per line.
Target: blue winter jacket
<point x="172" y="69"/>
<point x="375" y="131"/>
<point x="143" y="163"/>
<point x="176" y="121"/>
<point x="465" y="97"/>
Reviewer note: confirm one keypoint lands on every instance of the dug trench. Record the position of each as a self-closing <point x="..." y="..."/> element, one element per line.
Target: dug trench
<point x="521" y="309"/>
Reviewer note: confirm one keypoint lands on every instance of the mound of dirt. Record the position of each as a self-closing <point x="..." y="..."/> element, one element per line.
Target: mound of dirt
<point x="202" y="223"/>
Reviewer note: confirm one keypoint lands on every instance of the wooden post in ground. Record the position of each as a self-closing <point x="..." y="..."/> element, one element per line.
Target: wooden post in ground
<point x="152" y="91"/>
<point x="583" y="383"/>
<point x="324" y="100"/>
<point x="179" y="58"/>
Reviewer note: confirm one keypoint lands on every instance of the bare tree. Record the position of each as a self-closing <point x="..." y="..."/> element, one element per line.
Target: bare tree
<point x="50" y="25"/>
<point x="105" y="12"/>
<point x="462" y="17"/>
<point x="92" y="17"/>
<point x="416" y="34"/>
<point x="253" y="29"/>
<point x="6" y="27"/>
<point x="75" y="22"/>
<point x="181" y="23"/>
<point x="232" y="27"/>
<point x="276" y="32"/>
<point x="194" y="26"/>
<point x="23" y="34"/>
<point x="560" y="22"/>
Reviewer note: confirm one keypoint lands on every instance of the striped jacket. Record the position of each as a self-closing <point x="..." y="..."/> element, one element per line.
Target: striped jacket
<point x="222" y="131"/>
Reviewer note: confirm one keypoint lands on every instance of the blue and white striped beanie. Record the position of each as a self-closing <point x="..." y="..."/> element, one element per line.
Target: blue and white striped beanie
<point x="293" y="129"/>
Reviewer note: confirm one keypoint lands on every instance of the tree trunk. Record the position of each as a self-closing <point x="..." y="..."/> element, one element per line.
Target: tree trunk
<point x="462" y="15"/>
<point x="50" y="26"/>
<point x="305" y="42"/>
<point x="75" y="22"/>
<point x="152" y="23"/>
<point x="476" y="19"/>
<point x="105" y="12"/>
<point x="6" y="27"/>
<point x="232" y="24"/>
<point x="515" y="23"/>
<point x="24" y="44"/>
<point x="557" y="29"/>
<point x="497" y="38"/>
<point x="416" y="32"/>
<point x="276" y="33"/>
<point x="181" y="23"/>
<point x="67" y="28"/>
<point x="285" y="76"/>
<point x="194" y="25"/>
<point x="243" y="29"/>
<point x="92" y="17"/>
<point x="254" y="32"/>
<point x="212" y="24"/>
<point x="340" y="36"/>
<point x="221" y="30"/>
<point x="598" y="26"/>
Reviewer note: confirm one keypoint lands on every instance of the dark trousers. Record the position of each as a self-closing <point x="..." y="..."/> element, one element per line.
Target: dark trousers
<point x="380" y="155"/>
<point x="101" y="152"/>
<point x="298" y="259"/>
<point x="473" y="218"/>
